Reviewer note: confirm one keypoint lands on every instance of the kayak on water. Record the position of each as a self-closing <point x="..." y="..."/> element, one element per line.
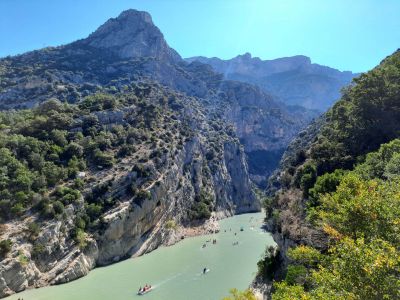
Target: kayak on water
<point x="144" y="290"/>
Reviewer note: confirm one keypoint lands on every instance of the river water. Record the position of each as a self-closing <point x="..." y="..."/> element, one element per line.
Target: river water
<point x="175" y="272"/>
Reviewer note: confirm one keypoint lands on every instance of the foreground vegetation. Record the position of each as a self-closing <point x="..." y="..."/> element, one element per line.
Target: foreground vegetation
<point x="349" y="177"/>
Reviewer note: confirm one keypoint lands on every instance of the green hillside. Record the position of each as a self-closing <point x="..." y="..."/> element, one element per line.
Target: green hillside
<point x="345" y="185"/>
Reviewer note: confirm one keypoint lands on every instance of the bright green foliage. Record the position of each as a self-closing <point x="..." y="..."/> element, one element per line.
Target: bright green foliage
<point x="326" y="183"/>
<point x="80" y="238"/>
<point x="305" y="255"/>
<point x="42" y="150"/>
<point x="284" y="291"/>
<point x="355" y="270"/>
<point x="306" y="176"/>
<point x="361" y="270"/>
<point x="240" y="295"/>
<point x="384" y="164"/>
<point x="364" y="209"/>
<point x="367" y="116"/>
<point x="296" y="274"/>
<point x="360" y="212"/>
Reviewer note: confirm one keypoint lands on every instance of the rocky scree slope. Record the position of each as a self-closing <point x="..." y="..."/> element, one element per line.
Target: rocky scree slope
<point x="293" y="80"/>
<point x="317" y="196"/>
<point x="130" y="48"/>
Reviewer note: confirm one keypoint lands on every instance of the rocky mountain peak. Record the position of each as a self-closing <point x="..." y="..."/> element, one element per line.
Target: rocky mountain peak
<point x="245" y="56"/>
<point x="132" y="34"/>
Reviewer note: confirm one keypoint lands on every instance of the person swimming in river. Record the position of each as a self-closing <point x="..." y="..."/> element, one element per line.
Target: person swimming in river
<point x="204" y="245"/>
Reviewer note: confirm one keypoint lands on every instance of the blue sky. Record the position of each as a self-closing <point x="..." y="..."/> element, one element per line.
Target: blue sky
<point x="346" y="34"/>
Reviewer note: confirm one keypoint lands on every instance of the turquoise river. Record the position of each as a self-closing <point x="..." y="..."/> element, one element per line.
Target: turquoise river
<point x="175" y="272"/>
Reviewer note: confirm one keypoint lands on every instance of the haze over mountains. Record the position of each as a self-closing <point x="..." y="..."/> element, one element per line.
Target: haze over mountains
<point x="292" y="80"/>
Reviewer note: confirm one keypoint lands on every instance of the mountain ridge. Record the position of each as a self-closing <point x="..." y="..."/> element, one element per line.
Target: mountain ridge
<point x="130" y="48"/>
<point x="293" y="80"/>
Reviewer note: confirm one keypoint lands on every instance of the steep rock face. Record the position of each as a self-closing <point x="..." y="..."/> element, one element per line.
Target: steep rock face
<point x="263" y="126"/>
<point x="131" y="229"/>
<point x="188" y="175"/>
<point x="132" y="34"/>
<point x="293" y="80"/>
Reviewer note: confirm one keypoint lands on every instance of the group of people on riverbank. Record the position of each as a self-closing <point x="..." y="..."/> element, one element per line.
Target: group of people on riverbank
<point x="214" y="241"/>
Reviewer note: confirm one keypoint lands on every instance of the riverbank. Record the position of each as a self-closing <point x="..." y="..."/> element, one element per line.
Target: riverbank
<point x="180" y="233"/>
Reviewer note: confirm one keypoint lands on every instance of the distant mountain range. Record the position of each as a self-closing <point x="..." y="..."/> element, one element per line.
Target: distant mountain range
<point x="292" y="80"/>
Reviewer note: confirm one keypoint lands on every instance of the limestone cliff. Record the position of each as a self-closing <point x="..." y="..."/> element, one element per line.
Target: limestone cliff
<point x="201" y="164"/>
<point x="293" y="80"/>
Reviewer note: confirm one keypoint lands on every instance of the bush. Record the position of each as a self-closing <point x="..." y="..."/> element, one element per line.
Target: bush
<point x="80" y="238"/>
<point x="305" y="177"/>
<point x="199" y="211"/>
<point x="33" y="231"/>
<point x="80" y="223"/>
<point x="103" y="159"/>
<point x="94" y="211"/>
<point x="170" y="224"/>
<point x="296" y="274"/>
<point x="326" y="183"/>
<point x="141" y="196"/>
<point x="240" y="295"/>
<point x="5" y="247"/>
<point x="269" y="264"/>
<point x="58" y="207"/>
<point x="37" y="250"/>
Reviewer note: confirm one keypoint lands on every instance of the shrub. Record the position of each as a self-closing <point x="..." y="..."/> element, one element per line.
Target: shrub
<point x="326" y="183"/>
<point x="23" y="260"/>
<point x="80" y="238"/>
<point x="170" y="224"/>
<point x="295" y="274"/>
<point x="199" y="211"/>
<point x="37" y="250"/>
<point x="240" y="295"/>
<point x="103" y="159"/>
<point x="269" y="264"/>
<point x="58" y="207"/>
<point x="33" y="231"/>
<point x="94" y="210"/>
<point x="5" y="247"/>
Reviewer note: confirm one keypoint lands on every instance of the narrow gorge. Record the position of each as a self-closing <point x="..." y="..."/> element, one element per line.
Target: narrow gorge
<point x="114" y="145"/>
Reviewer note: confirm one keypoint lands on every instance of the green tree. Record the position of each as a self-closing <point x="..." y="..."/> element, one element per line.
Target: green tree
<point x="240" y="295"/>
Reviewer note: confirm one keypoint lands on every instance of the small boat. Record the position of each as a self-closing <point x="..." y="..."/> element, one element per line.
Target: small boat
<point x="206" y="271"/>
<point x="241" y="229"/>
<point x="143" y="291"/>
